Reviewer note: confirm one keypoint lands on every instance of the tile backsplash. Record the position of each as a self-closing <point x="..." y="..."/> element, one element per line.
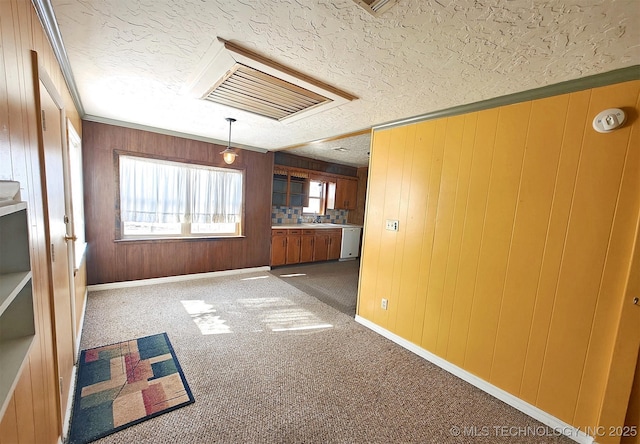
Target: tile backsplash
<point x="293" y="215"/>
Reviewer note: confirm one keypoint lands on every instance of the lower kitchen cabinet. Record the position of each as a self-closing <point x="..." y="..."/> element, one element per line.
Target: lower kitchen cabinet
<point x="278" y="247"/>
<point x="321" y="247"/>
<point x="335" y="239"/>
<point x="307" y="241"/>
<point x="327" y="244"/>
<point x="293" y="246"/>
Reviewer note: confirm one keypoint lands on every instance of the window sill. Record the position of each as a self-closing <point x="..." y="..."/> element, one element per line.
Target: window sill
<point x="176" y="239"/>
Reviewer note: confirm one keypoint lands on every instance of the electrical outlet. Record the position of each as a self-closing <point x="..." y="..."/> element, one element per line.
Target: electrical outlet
<point x="392" y="225"/>
<point x="384" y="304"/>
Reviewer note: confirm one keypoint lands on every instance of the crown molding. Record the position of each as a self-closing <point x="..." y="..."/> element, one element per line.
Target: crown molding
<point x="44" y="10"/>
<point x="607" y="78"/>
<point x="167" y="132"/>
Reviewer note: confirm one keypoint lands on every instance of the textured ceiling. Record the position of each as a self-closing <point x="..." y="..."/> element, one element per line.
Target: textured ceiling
<point x="133" y="60"/>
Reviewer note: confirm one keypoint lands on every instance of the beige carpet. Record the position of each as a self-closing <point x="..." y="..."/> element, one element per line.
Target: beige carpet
<point x="267" y="363"/>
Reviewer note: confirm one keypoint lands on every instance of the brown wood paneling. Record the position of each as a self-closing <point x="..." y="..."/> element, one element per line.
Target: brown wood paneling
<point x="109" y="260"/>
<point x="357" y="216"/>
<point x="288" y="159"/>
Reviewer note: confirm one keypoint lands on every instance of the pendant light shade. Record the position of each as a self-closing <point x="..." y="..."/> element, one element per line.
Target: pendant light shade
<point x="229" y="155"/>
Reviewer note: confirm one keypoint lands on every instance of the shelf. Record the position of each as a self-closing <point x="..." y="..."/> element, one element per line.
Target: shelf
<point x="12" y="208"/>
<point x="10" y="286"/>
<point x="15" y="353"/>
<point x="17" y="324"/>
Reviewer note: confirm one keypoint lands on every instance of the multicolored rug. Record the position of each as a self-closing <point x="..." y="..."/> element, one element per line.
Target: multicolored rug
<point x="124" y="384"/>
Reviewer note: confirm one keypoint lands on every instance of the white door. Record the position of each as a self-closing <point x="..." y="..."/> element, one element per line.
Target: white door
<point x="51" y="126"/>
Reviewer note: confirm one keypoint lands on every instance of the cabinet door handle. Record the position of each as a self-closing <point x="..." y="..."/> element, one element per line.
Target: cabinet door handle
<point x="284" y="242"/>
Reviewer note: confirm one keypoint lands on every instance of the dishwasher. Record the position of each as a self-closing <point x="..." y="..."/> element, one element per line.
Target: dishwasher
<point x="350" y="245"/>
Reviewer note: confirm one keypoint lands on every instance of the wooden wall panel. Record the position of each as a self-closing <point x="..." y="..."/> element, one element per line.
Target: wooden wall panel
<point x="523" y="222"/>
<point x="486" y="124"/>
<point x="531" y="222"/>
<point x="32" y="415"/>
<point x="619" y="276"/>
<point x="374" y="225"/>
<point x="111" y="261"/>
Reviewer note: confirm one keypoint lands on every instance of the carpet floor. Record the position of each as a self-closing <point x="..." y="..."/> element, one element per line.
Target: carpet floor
<point x="334" y="283"/>
<point x="267" y="363"/>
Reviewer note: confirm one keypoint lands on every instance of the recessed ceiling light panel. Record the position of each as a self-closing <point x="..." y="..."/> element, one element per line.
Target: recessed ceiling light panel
<point x="376" y="7"/>
<point x="239" y="78"/>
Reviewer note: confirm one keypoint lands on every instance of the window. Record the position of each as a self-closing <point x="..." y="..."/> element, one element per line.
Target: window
<point x="316" y="198"/>
<point x="322" y="196"/>
<point x="77" y="193"/>
<point x="161" y="198"/>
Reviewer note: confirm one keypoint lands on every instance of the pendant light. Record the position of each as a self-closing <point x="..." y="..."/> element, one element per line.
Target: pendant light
<point x="229" y="155"/>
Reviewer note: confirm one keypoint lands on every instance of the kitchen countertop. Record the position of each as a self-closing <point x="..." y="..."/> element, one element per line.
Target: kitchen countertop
<point x="311" y="225"/>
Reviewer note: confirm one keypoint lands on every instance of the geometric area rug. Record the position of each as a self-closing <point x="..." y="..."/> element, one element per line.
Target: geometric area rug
<point x="123" y="384"/>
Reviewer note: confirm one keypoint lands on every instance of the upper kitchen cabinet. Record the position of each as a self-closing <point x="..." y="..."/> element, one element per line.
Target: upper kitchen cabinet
<point x="290" y="187"/>
<point x="346" y="194"/>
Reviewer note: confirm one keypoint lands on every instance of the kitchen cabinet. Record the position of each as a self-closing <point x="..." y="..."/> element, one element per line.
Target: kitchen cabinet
<point x="321" y="247"/>
<point x="307" y="241"/>
<point x="17" y="326"/>
<point x="335" y="237"/>
<point x="327" y="244"/>
<point x="280" y="190"/>
<point x="290" y="188"/>
<point x="293" y="246"/>
<point x="346" y="194"/>
<point x="278" y="247"/>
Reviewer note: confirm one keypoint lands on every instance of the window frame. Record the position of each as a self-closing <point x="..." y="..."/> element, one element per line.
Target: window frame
<point x="119" y="235"/>
<point x="323" y="199"/>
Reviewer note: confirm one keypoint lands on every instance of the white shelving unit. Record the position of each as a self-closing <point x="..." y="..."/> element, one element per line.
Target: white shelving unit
<point x="17" y="326"/>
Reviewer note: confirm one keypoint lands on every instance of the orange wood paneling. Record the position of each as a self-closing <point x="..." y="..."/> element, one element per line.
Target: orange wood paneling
<point x="374" y="225"/>
<point x="421" y="179"/>
<point x="451" y="140"/>
<point x="458" y="224"/>
<point x="554" y="243"/>
<point x="535" y="196"/>
<point x="497" y="229"/>
<point x="9" y="424"/>
<point x="592" y="211"/>
<point x="472" y="234"/>
<point x="24" y="407"/>
<point x="416" y="196"/>
<point x="517" y="228"/>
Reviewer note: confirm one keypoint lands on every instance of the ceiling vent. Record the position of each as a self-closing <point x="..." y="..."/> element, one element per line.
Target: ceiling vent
<point x="376" y="7"/>
<point x="245" y="80"/>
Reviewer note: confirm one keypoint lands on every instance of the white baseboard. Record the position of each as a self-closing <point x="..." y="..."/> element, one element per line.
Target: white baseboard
<point x="549" y="420"/>
<point x="81" y="326"/>
<point x="181" y="278"/>
<point x="67" y="414"/>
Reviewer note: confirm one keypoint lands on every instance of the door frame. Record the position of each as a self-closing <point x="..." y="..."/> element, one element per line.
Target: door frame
<point x="41" y="76"/>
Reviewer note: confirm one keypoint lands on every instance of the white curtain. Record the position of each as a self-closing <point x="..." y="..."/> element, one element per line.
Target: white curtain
<point x="167" y="192"/>
<point x="216" y="196"/>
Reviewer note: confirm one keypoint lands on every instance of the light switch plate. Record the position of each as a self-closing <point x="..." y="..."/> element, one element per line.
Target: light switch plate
<point x="392" y="225"/>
